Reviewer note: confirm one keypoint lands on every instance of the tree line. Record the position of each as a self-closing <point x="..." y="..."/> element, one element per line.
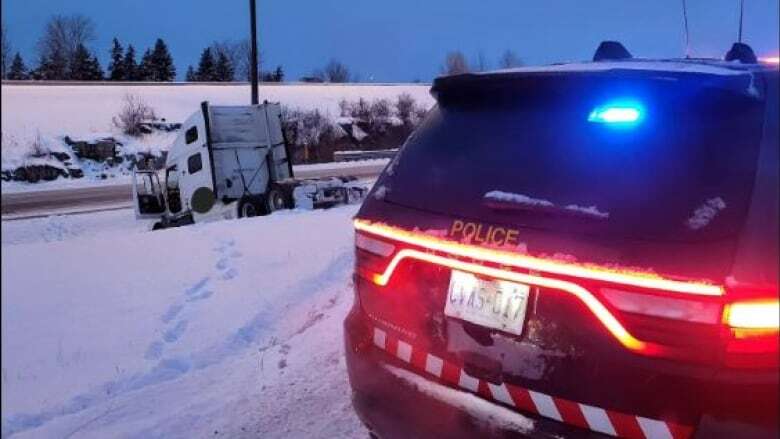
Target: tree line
<point x="64" y="54"/>
<point x="455" y="62"/>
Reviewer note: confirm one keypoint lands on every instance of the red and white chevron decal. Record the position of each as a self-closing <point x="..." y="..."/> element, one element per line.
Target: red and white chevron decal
<point x="562" y="410"/>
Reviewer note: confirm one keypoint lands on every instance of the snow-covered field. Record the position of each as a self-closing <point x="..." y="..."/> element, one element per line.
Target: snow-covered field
<point x="56" y="110"/>
<point x="228" y="329"/>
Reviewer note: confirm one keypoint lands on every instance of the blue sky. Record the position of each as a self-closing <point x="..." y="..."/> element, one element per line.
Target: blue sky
<point x="405" y="40"/>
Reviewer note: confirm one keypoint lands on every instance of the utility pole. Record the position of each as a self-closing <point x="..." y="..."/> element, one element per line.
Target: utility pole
<point x="253" y="31"/>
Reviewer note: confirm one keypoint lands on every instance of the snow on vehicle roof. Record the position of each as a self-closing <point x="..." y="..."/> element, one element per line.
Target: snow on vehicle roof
<point x="711" y="67"/>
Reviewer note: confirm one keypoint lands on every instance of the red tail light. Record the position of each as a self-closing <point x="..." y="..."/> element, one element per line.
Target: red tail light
<point x="646" y="313"/>
<point x="754" y="315"/>
<point x="753" y="333"/>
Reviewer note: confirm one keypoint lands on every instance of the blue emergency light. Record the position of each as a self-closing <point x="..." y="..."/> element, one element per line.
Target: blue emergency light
<point x="617" y="113"/>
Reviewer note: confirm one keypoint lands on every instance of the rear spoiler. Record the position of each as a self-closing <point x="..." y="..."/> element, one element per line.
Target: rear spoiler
<point x="737" y="80"/>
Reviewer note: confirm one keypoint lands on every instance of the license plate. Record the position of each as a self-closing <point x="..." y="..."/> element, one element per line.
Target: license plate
<point x="496" y="304"/>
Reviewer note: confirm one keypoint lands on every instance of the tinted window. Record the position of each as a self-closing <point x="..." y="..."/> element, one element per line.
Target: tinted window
<point x="191" y="135"/>
<point x="194" y="163"/>
<point x="525" y="153"/>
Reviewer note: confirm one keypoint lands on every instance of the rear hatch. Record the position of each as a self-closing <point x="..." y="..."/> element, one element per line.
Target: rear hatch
<point x="620" y="195"/>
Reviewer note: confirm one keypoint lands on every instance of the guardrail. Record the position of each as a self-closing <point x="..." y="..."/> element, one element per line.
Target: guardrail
<point x="346" y="156"/>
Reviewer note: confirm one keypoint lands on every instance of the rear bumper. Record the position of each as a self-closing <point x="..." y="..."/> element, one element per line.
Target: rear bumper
<point x="392" y="405"/>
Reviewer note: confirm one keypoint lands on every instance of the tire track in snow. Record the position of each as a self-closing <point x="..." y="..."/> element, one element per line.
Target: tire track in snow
<point x="335" y="273"/>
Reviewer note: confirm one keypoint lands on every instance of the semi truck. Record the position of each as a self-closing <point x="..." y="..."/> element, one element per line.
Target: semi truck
<point x="232" y="162"/>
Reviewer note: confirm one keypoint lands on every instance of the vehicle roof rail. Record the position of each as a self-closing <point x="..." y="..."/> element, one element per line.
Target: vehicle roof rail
<point x="741" y="52"/>
<point x="610" y="51"/>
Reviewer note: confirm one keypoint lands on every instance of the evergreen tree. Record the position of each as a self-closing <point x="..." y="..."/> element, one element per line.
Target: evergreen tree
<point x="129" y="64"/>
<point x="223" y="69"/>
<point x="145" y="70"/>
<point x="116" y="68"/>
<point x="94" y="72"/>
<point x="191" y="76"/>
<point x="279" y="74"/>
<point x="276" y="76"/>
<point x="81" y="65"/>
<point x="206" y="68"/>
<point x="161" y="66"/>
<point x="18" y="70"/>
<point x="54" y="67"/>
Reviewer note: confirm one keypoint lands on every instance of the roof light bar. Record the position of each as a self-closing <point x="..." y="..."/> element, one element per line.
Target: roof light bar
<point x="617" y="113"/>
<point x="505" y="258"/>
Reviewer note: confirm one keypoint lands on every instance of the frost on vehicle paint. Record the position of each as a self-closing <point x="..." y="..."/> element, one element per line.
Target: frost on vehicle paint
<point x="482" y="411"/>
<point x="380" y="192"/>
<point x="590" y="210"/>
<point x="517" y="199"/>
<point x="705" y="213"/>
<point x="521" y="199"/>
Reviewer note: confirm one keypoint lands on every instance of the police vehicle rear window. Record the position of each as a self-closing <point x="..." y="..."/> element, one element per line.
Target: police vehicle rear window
<point x="657" y="157"/>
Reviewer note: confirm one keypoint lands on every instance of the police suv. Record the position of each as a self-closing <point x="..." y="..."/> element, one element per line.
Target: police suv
<point x="576" y="250"/>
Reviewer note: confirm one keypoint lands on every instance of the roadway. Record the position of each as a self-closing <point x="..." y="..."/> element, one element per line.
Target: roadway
<point x="65" y="201"/>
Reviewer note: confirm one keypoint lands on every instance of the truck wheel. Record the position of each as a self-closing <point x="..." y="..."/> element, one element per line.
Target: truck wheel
<point x="275" y="200"/>
<point x="248" y="207"/>
<point x="355" y="194"/>
<point x="158" y="225"/>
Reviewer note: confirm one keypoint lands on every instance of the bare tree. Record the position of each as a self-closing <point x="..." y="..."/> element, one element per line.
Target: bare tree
<point x="336" y="71"/>
<point x="509" y="59"/>
<point x="482" y="62"/>
<point x="133" y="113"/>
<point x="455" y="63"/>
<point x="63" y="35"/>
<point x="6" y="49"/>
<point x="239" y="54"/>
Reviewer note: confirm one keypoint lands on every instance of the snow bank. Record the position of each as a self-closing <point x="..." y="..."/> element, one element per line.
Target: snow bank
<point x="230" y="328"/>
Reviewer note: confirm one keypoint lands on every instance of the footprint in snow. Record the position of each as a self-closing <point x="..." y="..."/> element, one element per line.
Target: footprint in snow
<point x="230" y="273"/>
<point x="195" y="289"/>
<point x="171" y="313"/>
<point x="200" y="296"/>
<point x="174" y="333"/>
<point x="224" y="264"/>
<point x="154" y="351"/>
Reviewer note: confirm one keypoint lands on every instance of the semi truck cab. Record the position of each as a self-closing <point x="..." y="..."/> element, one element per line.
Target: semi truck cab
<point x="229" y="162"/>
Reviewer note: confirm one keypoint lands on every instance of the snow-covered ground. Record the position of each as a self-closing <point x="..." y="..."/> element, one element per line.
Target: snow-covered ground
<point x="83" y="109"/>
<point x="228" y="329"/>
<point x="37" y="117"/>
